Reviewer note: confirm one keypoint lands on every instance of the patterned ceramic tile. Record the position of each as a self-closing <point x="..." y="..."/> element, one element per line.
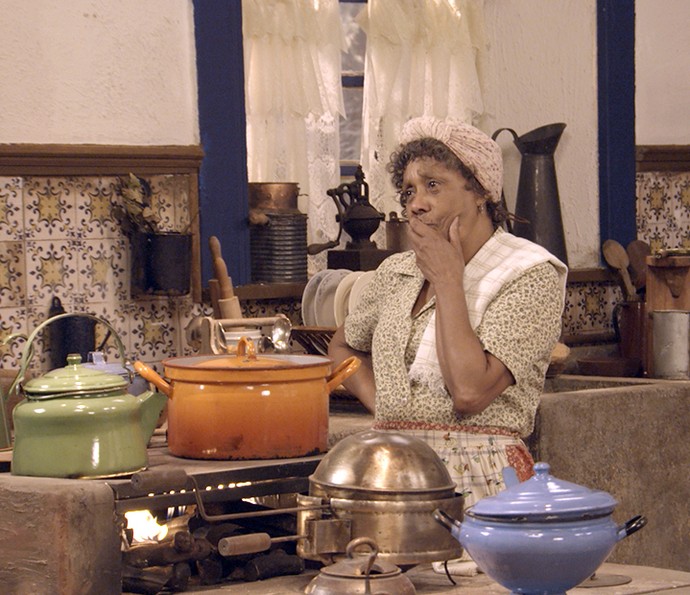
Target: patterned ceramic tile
<point x="12" y="273"/>
<point x="154" y="337"/>
<point x="50" y="208"/>
<point x="12" y="322"/>
<point x="589" y="307"/>
<point x="185" y="311"/>
<point x="663" y="209"/>
<point x="59" y="239"/>
<point x="11" y="211"/>
<point x="103" y="270"/>
<point x="94" y="207"/>
<point x="170" y="200"/>
<point x="52" y="270"/>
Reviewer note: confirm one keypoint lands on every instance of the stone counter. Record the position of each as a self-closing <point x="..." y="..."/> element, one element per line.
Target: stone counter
<point x="630" y="438"/>
<point x="643" y="580"/>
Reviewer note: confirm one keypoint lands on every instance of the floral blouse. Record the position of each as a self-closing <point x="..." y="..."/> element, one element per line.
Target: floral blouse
<point x="520" y="327"/>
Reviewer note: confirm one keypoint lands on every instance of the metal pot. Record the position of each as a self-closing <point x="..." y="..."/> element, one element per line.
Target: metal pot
<point x="79" y="422"/>
<point x="361" y="575"/>
<point x="381" y="485"/>
<point x="541" y="536"/>
<point x="274" y="196"/>
<point x="246" y="406"/>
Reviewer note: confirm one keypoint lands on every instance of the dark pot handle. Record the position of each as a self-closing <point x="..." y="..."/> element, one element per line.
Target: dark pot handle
<point x="634" y="524"/>
<point x="444" y="519"/>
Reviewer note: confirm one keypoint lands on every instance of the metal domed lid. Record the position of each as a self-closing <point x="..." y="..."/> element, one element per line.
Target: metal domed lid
<point x="544" y="498"/>
<point x="74" y="380"/>
<point x="385" y="462"/>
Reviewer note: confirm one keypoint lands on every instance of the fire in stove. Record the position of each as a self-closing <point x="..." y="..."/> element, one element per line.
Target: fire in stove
<point x="189" y="548"/>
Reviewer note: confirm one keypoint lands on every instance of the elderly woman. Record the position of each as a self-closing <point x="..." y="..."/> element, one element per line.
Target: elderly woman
<point x="456" y="335"/>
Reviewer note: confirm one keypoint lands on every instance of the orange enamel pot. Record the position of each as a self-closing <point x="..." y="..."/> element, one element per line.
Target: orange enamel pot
<point x="248" y="406"/>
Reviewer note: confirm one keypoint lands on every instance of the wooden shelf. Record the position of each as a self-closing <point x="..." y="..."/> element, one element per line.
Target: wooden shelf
<point x="268" y="291"/>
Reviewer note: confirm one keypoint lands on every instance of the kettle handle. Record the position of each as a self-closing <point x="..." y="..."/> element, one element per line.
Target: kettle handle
<point x="373" y="552"/>
<point x="29" y="347"/>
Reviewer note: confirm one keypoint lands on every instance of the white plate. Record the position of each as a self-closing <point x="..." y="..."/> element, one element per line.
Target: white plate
<point x="342" y="296"/>
<point x="357" y="289"/>
<point x="325" y="297"/>
<point x="308" y="295"/>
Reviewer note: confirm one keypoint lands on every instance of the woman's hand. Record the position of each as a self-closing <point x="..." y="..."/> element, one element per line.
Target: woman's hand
<point x="439" y="258"/>
<point x="473" y="377"/>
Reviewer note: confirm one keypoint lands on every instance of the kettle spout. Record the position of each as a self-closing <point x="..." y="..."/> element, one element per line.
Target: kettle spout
<point x="152" y="404"/>
<point x="447" y="521"/>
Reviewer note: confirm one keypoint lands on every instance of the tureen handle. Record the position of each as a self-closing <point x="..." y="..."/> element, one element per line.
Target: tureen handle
<point x="634" y="524"/>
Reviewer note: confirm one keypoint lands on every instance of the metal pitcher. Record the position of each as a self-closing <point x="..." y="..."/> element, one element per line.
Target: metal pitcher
<point x="537" y="205"/>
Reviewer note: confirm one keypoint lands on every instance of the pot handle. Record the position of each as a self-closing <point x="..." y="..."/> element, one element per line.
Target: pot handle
<point x="29" y="347"/>
<point x="148" y="373"/>
<point x="445" y="520"/>
<point x="246" y="350"/>
<point x="344" y="370"/>
<point x="634" y="524"/>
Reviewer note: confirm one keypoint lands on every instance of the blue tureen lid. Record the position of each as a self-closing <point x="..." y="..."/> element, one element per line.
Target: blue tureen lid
<point x="544" y="498"/>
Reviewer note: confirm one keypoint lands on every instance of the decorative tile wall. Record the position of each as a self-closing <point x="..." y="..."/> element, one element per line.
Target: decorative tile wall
<point x="663" y="221"/>
<point x="59" y="239"/>
<point x="663" y="209"/>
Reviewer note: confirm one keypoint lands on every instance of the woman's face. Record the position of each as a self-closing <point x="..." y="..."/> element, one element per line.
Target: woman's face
<point x="437" y="195"/>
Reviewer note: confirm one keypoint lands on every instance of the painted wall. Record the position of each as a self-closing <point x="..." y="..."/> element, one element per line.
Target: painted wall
<point x="97" y="71"/>
<point x="541" y="69"/>
<point x="662" y="63"/>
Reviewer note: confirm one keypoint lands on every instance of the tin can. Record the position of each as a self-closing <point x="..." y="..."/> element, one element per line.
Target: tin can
<point x="671" y="344"/>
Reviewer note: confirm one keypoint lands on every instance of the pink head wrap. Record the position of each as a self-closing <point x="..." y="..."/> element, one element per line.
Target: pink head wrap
<point x="474" y="148"/>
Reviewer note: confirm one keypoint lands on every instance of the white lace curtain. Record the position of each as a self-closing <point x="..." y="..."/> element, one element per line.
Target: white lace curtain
<point x="421" y="59"/>
<point x="292" y="57"/>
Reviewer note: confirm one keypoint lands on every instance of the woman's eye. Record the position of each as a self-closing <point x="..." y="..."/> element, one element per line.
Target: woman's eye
<point x="432" y="184"/>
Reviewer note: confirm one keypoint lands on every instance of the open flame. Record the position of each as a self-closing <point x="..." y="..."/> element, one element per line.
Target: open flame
<point x="145" y="527"/>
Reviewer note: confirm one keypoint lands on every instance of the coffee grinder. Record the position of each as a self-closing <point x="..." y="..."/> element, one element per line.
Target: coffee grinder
<point x="360" y="219"/>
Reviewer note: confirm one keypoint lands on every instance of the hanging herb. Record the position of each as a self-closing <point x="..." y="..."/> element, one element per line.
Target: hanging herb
<point x="135" y="213"/>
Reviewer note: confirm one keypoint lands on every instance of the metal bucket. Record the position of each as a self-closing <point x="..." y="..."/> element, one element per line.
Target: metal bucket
<point x="671" y="344"/>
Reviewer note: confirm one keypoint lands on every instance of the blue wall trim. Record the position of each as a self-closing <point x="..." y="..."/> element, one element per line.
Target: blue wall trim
<point x="223" y="187"/>
<point x="616" y="97"/>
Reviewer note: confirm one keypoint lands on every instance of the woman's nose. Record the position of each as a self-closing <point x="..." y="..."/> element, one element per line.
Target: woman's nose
<point x="417" y="203"/>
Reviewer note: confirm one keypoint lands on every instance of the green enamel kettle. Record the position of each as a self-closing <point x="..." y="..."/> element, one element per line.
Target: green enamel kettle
<point x="80" y="422"/>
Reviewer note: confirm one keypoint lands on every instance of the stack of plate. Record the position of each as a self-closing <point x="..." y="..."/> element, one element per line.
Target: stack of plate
<point x="331" y="294"/>
<point x="279" y="249"/>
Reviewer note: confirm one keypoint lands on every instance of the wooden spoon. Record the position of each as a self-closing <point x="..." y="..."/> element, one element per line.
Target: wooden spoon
<point x="638" y="250"/>
<point x="617" y="258"/>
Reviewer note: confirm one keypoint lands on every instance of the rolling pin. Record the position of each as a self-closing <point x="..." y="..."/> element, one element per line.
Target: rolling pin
<point x="228" y="303"/>
<point x="213" y="284"/>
